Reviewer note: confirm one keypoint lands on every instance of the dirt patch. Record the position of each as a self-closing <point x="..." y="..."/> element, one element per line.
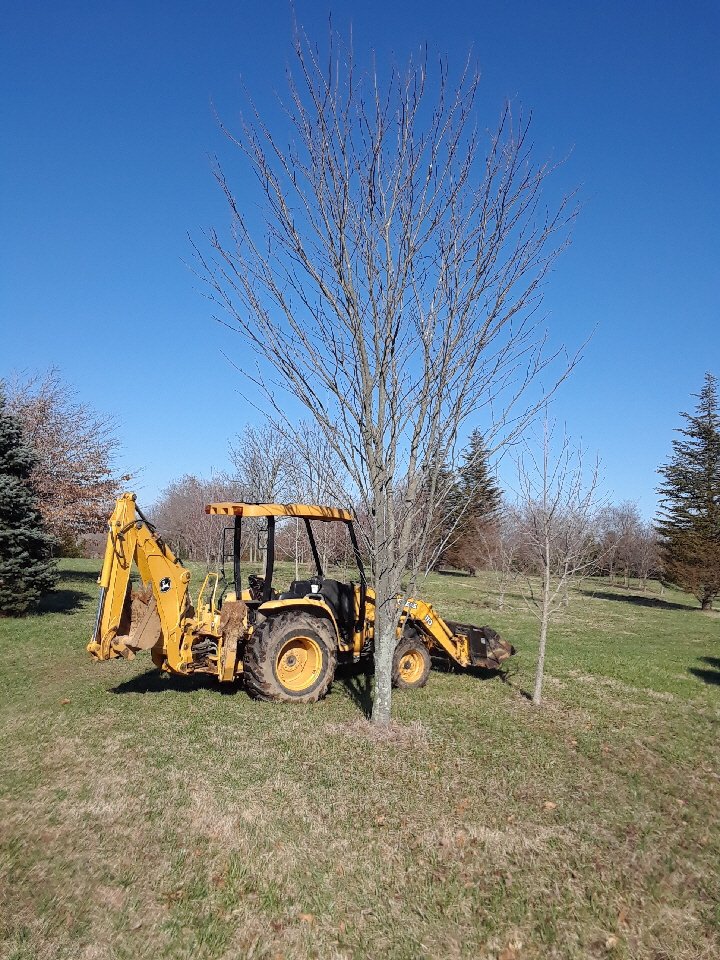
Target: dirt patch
<point x="396" y="734"/>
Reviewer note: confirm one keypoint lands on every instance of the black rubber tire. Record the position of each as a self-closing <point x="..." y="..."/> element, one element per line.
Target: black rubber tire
<point x="264" y="646"/>
<point x="414" y="646"/>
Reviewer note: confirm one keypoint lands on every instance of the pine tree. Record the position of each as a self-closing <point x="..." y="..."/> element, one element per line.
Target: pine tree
<point x="689" y="522"/>
<point x="475" y="506"/>
<point x="27" y="569"/>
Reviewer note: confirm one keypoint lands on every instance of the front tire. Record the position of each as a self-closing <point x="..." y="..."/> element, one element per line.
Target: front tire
<point x="411" y="664"/>
<point x="290" y="658"/>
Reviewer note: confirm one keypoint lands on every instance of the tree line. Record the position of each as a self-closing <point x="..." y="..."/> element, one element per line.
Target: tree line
<point x="476" y="525"/>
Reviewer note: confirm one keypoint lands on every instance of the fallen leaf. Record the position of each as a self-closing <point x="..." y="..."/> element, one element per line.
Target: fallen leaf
<point x="681" y="802"/>
<point x="549" y="805"/>
<point x="611" y="943"/>
<point x="307" y="918"/>
<point x="462" y="806"/>
<point x="341" y="926"/>
<point x="622" y="916"/>
<point x="573" y="743"/>
<point x="64" y="701"/>
<point x="380" y="821"/>
<point x="705" y="839"/>
<point x="507" y="954"/>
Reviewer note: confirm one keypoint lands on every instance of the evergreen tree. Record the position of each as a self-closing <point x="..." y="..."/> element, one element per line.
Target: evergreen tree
<point x="689" y="521"/>
<point x="27" y="569"/>
<point x="474" y="506"/>
<point x="479" y="490"/>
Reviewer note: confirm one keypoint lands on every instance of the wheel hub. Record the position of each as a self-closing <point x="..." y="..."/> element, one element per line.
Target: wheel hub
<point x="411" y="666"/>
<point x="299" y="663"/>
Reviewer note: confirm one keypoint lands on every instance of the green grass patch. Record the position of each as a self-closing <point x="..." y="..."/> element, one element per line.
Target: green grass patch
<point x="153" y="816"/>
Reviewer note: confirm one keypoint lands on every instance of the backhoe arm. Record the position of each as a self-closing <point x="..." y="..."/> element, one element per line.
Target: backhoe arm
<point x="167" y="613"/>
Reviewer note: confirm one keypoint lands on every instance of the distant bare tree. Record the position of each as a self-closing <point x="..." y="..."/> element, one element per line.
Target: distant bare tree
<point x="628" y="544"/>
<point x="265" y="464"/>
<point x="502" y="546"/>
<point x="646" y="553"/>
<point x="393" y="289"/>
<point x="556" y="512"/>
<point x="179" y="514"/>
<point x="266" y="468"/>
<point x="75" y="477"/>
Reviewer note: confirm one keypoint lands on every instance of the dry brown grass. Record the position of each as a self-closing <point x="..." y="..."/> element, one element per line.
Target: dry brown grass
<point x="152" y="817"/>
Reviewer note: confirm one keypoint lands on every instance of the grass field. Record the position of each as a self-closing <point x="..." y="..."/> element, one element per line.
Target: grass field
<point x="150" y="816"/>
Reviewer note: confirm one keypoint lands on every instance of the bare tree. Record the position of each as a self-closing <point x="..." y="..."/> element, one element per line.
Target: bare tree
<point x="265" y="464"/>
<point x="502" y="544"/>
<point x="556" y="513"/>
<point x="646" y="553"/>
<point x="179" y="514"/>
<point x="266" y="467"/>
<point x="393" y="288"/>
<point x="75" y="476"/>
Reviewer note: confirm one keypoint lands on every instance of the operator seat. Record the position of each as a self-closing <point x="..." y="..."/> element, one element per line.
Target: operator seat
<point x="296" y="590"/>
<point x="340" y="597"/>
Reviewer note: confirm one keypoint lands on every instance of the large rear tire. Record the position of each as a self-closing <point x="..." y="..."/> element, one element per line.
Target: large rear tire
<point x="290" y="658"/>
<point x="411" y="664"/>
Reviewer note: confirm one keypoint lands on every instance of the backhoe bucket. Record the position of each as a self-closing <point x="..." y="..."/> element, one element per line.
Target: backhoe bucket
<point x="139" y="627"/>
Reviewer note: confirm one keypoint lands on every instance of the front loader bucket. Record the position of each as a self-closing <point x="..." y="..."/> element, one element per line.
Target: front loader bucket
<point x="487" y="648"/>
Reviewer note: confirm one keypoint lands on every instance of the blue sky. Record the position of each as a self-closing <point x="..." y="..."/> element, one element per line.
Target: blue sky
<point x="106" y="119"/>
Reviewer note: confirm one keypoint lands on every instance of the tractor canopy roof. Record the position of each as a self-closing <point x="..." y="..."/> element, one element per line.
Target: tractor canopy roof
<point x="302" y="511"/>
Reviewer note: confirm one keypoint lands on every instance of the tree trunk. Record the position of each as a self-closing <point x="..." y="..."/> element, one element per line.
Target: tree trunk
<point x="537" y="692"/>
<point x="707" y="603"/>
<point x="386" y="618"/>
<point x="385" y="625"/>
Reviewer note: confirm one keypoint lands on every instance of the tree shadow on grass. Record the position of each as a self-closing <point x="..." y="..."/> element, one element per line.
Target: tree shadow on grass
<point x="62" y="601"/>
<point x="637" y="600"/>
<point x="452" y="573"/>
<point x="82" y="576"/>
<point x="158" y="681"/>
<point x="355" y="682"/>
<point x="708" y="676"/>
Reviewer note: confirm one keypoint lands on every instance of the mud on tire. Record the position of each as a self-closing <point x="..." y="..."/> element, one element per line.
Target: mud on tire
<point x="411" y="664"/>
<point x="291" y="658"/>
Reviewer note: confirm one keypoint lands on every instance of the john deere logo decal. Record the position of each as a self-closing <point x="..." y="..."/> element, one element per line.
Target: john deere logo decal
<point x="164" y="584"/>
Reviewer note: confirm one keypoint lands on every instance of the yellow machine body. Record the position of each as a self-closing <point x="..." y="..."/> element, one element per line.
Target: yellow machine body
<point x="287" y="644"/>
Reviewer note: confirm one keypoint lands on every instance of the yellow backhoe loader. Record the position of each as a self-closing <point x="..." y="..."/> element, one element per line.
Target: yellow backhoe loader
<point x="285" y="645"/>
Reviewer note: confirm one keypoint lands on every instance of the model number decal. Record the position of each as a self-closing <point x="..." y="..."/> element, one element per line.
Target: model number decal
<point x="428" y="620"/>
